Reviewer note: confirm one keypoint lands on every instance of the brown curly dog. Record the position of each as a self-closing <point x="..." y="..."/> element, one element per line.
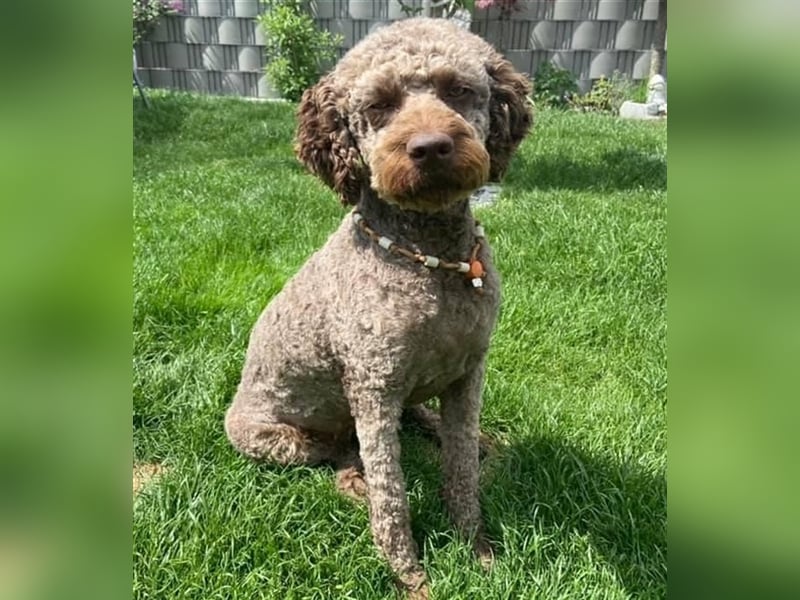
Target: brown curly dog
<point x="398" y="306"/>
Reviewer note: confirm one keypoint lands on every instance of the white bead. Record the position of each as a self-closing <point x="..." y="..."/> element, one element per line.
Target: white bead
<point x="477" y="282"/>
<point x="431" y="261"/>
<point x="463" y="267"/>
<point x="479" y="232"/>
<point x="357" y="218"/>
<point x="385" y="242"/>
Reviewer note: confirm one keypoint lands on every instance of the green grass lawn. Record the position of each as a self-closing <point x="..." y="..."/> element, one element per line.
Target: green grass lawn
<point x="575" y="496"/>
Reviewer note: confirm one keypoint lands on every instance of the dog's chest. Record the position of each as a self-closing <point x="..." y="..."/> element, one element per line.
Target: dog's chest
<point x="418" y="328"/>
<point x="450" y="337"/>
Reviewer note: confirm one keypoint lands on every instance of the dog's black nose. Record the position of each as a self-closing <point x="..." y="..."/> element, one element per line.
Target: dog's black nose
<point x="428" y="149"/>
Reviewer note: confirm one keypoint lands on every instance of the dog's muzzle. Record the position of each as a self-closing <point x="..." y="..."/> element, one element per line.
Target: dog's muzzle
<point x="428" y="157"/>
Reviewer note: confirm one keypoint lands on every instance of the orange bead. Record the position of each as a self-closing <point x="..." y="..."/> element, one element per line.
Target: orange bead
<point x="475" y="269"/>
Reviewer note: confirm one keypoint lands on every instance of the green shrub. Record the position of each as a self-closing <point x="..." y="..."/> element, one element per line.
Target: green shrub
<point x="446" y="8"/>
<point x="553" y="86"/>
<point x="146" y="14"/>
<point x="607" y="94"/>
<point x="297" y="52"/>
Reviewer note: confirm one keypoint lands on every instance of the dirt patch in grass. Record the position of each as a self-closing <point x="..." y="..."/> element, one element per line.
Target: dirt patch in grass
<point x="144" y="473"/>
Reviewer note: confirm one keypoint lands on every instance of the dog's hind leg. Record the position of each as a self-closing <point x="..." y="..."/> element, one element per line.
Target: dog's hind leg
<point x="280" y="443"/>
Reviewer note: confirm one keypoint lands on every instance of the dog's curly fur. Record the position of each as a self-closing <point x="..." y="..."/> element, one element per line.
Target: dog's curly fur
<point x="360" y="333"/>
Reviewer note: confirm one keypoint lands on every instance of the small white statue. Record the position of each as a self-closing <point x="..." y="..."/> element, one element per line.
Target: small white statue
<point x="654" y="107"/>
<point x="657" y="95"/>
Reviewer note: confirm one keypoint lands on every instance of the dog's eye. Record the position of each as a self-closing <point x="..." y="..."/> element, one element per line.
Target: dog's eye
<point x="458" y="91"/>
<point x="380" y="106"/>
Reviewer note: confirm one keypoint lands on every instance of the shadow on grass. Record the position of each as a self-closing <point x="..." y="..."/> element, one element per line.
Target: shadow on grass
<point x="555" y="490"/>
<point x="563" y="491"/>
<point x="621" y="169"/>
<point x="548" y="486"/>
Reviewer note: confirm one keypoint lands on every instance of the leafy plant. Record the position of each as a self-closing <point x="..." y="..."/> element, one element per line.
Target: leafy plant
<point x="638" y="91"/>
<point x="296" y="50"/>
<point x="146" y="14"/>
<point x="553" y="86"/>
<point x="442" y="8"/>
<point x="607" y="94"/>
<point x="448" y="8"/>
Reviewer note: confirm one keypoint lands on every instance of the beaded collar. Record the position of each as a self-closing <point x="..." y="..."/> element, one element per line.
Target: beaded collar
<point x="473" y="270"/>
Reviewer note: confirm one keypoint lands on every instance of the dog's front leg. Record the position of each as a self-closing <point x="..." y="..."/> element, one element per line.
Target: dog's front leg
<point x="460" y="435"/>
<point x="377" y="420"/>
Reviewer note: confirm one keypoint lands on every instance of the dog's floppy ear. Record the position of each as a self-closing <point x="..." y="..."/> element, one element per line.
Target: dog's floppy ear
<point x="509" y="113"/>
<point x="324" y="144"/>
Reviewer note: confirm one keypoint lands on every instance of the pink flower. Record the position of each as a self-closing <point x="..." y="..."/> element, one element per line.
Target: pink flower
<point x="503" y="5"/>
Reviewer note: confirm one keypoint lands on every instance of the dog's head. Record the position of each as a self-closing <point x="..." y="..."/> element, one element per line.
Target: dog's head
<point x="423" y="112"/>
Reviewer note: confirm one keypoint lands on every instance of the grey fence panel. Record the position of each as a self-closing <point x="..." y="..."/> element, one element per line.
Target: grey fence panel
<point x="216" y="46"/>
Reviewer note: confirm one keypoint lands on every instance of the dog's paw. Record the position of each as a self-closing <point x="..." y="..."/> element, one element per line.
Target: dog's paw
<point x="420" y="594"/>
<point x="414" y="586"/>
<point x="487" y="446"/>
<point x="484" y="552"/>
<point x="350" y="482"/>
